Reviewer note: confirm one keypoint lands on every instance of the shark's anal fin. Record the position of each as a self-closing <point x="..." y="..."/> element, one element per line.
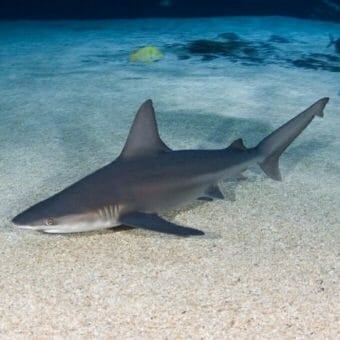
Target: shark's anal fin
<point x="143" y="138"/>
<point x="214" y="191"/>
<point x="156" y="223"/>
<point x="241" y="177"/>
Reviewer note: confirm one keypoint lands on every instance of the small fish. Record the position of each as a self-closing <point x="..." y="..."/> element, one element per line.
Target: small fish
<point x="146" y="55"/>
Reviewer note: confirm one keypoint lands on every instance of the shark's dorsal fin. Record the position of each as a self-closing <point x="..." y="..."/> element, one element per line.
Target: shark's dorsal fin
<point x="238" y="144"/>
<point x="143" y="139"/>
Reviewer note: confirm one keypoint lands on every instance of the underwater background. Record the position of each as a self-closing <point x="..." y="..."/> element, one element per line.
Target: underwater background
<point x="101" y="9"/>
<point x="73" y="74"/>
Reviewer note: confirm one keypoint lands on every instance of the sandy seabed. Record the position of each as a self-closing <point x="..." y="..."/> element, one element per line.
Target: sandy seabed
<point x="268" y="266"/>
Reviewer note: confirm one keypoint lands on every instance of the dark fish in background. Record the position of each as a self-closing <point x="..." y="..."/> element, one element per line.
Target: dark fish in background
<point x="335" y="42"/>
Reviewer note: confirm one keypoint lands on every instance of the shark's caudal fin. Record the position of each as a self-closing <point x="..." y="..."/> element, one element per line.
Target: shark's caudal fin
<point x="144" y="139"/>
<point x="273" y="145"/>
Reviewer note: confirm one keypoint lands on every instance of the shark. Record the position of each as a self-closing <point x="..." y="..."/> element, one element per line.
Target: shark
<point x="148" y="178"/>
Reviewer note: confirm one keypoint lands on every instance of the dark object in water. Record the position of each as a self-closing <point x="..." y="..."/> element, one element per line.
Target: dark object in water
<point x="248" y="52"/>
<point x="278" y="39"/>
<point x="235" y="49"/>
<point x="204" y="46"/>
<point x="328" y="57"/>
<point x="318" y="61"/>
<point x="229" y="36"/>
<point x="335" y="42"/>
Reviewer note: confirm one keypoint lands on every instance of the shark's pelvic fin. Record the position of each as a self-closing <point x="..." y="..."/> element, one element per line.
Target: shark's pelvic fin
<point x="214" y="192"/>
<point x="273" y="145"/>
<point x="143" y="138"/>
<point x="205" y="198"/>
<point x="156" y="223"/>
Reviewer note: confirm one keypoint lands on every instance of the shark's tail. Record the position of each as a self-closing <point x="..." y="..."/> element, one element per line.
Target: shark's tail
<point x="273" y="145"/>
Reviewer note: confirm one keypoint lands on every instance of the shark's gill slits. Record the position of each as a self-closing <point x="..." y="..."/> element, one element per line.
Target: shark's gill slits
<point x="100" y="214"/>
<point x="112" y="214"/>
<point x="108" y="213"/>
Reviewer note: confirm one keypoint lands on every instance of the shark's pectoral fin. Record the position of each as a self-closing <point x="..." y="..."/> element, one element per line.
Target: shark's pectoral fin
<point x="156" y="223"/>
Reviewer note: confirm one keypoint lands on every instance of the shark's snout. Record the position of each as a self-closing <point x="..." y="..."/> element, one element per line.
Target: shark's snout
<point x="27" y="220"/>
<point x="19" y="220"/>
<point x="37" y="216"/>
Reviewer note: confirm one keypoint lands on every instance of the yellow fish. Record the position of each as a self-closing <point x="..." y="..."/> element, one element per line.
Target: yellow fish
<point x="147" y="54"/>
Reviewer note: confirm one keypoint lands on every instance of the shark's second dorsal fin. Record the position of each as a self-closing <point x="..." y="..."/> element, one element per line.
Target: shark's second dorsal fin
<point x="143" y="139"/>
<point x="238" y="144"/>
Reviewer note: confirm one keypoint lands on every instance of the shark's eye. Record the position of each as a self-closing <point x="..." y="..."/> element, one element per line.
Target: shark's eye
<point x="50" y="221"/>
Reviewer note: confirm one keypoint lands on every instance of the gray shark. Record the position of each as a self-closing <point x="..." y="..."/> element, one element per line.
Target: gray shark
<point x="148" y="179"/>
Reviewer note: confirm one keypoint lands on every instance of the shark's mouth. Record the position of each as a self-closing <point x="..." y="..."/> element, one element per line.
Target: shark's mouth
<point x="30" y="227"/>
<point x="78" y="227"/>
<point x="33" y="227"/>
<point x="69" y="228"/>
